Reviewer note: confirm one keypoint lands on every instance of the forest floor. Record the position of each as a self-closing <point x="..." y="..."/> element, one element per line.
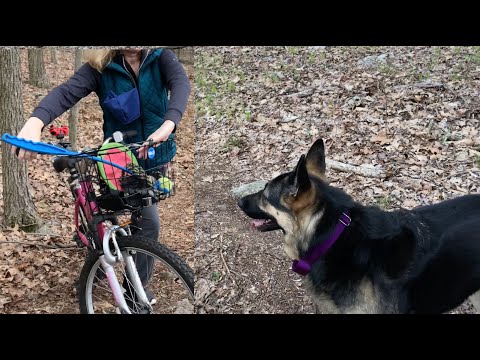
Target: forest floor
<point x="37" y="279"/>
<point x="410" y="111"/>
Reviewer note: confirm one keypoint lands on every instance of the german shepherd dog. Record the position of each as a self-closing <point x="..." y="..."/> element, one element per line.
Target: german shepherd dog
<point x="424" y="260"/>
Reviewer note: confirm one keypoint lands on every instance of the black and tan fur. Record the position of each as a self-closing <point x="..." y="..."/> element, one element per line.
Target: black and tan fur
<point x="425" y="260"/>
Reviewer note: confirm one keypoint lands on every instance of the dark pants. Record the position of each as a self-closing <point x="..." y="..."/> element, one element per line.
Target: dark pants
<point x="150" y="229"/>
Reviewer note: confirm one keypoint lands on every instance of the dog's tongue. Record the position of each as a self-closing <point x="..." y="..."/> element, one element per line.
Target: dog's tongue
<point x="258" y="223"/>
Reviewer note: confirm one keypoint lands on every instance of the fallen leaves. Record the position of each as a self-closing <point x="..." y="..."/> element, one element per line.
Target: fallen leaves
<point x="36" y="279"/>
<point x="380" y="138"/>
<point x="412" y="111"/>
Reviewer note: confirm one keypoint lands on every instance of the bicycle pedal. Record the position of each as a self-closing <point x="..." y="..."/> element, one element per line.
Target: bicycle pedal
<point x="77" y="240"/>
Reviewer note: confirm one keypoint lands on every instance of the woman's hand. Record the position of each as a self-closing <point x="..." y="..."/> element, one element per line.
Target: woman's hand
<point x="32" y="130"/>
<point x="162" y="134"/>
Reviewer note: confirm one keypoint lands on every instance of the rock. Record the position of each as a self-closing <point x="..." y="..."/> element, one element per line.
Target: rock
<point x="44" y="229"/>
<point x="288" y="118"/>
<point x="47" y="228"/>
<point x="247" y="189"/>
<point x="382" y="58"/>
<point x="373" y="60"/>
<point x="317" y="48"/>
<point x="222" y="207"/>
<point x="354" y="102"/>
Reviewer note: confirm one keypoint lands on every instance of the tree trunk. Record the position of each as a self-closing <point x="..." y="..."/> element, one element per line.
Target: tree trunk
<point x="17" y="202"/>
<point x="184" y="54"/>
<point x="53" y="56"/>
<point x="73" y="117"/>
<point x="37" y="75"/>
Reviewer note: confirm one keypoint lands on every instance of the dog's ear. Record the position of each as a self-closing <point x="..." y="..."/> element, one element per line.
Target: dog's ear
<point x="316" y="159"/>
<point x="300" y="181"/>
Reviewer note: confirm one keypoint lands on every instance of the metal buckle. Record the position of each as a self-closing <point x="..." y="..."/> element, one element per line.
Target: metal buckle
<point x="348" y="218"/>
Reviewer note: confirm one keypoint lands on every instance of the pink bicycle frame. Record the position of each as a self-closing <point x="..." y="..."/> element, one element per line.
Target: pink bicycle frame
<point x="89" y="209"/>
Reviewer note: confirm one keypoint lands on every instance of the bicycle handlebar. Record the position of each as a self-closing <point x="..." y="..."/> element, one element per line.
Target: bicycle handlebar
<point x="120" y="136"/>
<point x="60" y="163"/>
<point x="45" y="148"/>
<point x="65" y="158"/>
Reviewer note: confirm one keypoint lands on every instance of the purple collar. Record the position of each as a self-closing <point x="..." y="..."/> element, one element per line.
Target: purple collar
<point x="304" y="265"/>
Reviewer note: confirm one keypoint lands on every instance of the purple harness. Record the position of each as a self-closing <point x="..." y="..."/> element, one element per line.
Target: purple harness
<point x="304" y="265"/>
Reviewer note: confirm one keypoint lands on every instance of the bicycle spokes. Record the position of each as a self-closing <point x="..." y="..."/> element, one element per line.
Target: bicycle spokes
<point x="150" y="279"/>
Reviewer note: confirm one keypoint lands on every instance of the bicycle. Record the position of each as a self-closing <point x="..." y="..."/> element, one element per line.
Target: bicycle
<point x="104" y="191"/>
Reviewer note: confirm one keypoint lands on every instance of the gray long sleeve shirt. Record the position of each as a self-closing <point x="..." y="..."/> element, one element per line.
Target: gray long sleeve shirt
<point x="87" y="79"/>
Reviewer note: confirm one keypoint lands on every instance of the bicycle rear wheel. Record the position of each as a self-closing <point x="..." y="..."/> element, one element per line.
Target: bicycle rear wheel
<point x="170" y="284"/>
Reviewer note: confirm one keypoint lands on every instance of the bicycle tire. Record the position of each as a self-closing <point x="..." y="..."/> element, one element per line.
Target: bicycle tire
<point x="134" y="243"/>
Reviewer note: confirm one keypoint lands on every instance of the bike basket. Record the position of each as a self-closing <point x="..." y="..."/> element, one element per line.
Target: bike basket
<point x="130" y="186"/>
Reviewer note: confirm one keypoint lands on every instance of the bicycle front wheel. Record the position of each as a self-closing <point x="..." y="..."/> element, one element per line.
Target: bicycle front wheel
<point x="169" y="288"/>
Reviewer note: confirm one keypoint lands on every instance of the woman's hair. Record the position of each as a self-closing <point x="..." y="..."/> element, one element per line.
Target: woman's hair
<point x="99" y="58"/>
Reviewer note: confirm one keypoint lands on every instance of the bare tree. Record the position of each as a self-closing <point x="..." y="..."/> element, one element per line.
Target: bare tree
<point x="53" y="56"/>
<point x="184" y="54"/>
<point x="18" y="205"/>
<point x="37" y="75"/>
<point x="73" y="117"/>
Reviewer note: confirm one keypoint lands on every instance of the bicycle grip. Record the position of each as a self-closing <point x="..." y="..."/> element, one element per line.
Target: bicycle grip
<point x="60" y="163"/>
<point x="129" y="133"/>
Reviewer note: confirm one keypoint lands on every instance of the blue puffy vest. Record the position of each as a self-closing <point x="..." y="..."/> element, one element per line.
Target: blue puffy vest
<point x="153" y="98"/>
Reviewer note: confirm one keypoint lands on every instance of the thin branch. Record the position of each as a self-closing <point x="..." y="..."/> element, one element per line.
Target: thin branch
<point x="29" y="243"/>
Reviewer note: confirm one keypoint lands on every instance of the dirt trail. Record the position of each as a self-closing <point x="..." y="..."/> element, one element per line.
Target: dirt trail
<point x="40" y="280"/>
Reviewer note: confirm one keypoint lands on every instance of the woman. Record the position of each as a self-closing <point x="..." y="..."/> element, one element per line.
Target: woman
<point x="141" y="79"/>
